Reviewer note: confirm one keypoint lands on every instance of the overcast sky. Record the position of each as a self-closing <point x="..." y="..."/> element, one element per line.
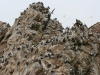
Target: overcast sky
<point x="66" y="11"/>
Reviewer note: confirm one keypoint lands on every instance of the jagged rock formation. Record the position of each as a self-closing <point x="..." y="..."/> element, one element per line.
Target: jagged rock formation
<point x="96" y="27"/>
<point x="4" y="28"/>
<point x="38" y="45"/>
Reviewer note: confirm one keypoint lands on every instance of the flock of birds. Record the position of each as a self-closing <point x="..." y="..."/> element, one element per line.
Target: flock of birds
<point x="38" y="45"/>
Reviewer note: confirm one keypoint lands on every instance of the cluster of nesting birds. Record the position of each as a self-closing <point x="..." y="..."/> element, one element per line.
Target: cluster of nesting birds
<point x="39" y="45"/>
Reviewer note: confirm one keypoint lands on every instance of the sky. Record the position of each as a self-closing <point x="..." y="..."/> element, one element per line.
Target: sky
<point x="66" y="11"/>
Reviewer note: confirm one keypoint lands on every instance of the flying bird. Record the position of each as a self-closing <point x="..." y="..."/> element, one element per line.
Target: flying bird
<point x="91" y="17"/>
<point x="52" y="11"/>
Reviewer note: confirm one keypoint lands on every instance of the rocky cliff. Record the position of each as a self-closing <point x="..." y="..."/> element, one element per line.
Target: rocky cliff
<point x="39" y="45"/>
<point x="96" y="27"/>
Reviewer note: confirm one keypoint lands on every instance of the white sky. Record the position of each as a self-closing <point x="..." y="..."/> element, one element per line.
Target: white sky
<point x="71" y="9"/>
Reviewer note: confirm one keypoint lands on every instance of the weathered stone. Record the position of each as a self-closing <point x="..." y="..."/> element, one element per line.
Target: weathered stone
<point x="39" y="45"/>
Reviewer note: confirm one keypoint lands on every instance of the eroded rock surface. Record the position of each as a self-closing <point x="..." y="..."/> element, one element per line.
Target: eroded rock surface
<point x="39" y="45"/>
<point x="4" y="28"/>
<point x="96" y="27"/>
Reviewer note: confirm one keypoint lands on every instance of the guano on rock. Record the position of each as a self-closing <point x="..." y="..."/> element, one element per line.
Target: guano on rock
<point x="39" y="45"/>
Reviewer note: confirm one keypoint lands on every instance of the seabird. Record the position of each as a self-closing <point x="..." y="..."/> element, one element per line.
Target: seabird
<point x="49" y="65"/>
<point x="52" y="11"/>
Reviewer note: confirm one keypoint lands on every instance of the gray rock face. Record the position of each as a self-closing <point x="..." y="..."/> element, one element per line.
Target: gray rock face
<point x="4" y="28"/>
<point x="39" y="45"/>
